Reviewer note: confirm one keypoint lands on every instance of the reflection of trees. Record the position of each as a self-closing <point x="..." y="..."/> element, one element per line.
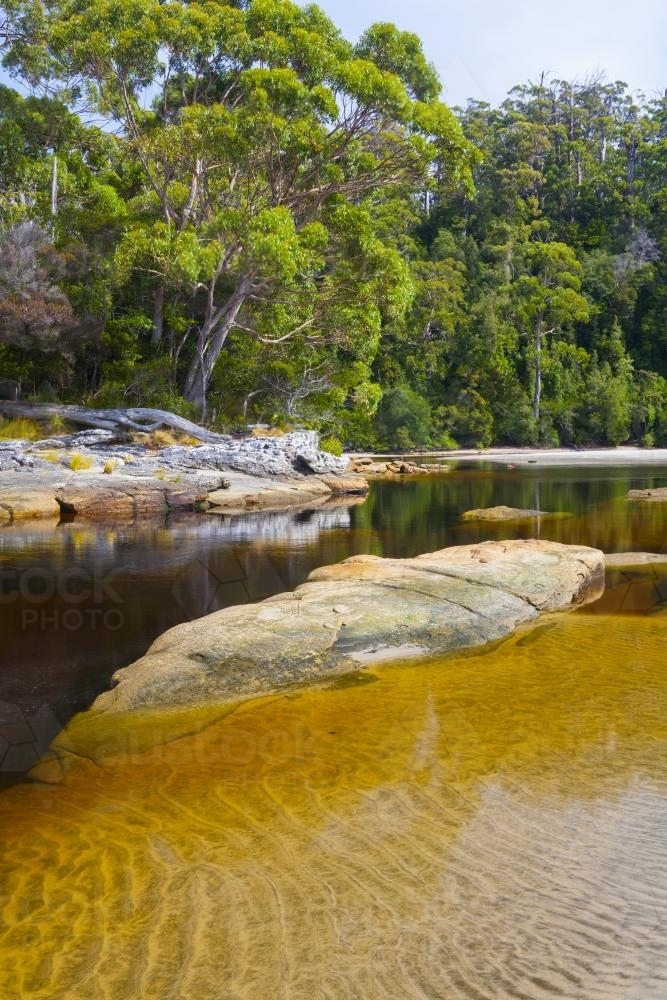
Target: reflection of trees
<point x="195" y="565"/>
<point x="416" y="516"/>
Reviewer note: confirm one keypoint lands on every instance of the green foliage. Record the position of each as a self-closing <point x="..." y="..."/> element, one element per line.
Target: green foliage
<point x="271" y="224"/>
<point x="332" y="445"/>
<point x="403" y="419"/>
<point x="469" y="420"/>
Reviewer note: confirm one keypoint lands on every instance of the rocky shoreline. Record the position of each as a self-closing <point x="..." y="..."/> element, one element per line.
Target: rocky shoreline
<point x="90" y="475"/>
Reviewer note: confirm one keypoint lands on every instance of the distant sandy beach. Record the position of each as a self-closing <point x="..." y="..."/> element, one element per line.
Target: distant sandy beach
<point x="538" y="456"/>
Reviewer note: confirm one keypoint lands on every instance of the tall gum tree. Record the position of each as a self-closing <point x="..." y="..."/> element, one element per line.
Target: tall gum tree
<point x="258" y="131"/>
<point x="544" y="299"/>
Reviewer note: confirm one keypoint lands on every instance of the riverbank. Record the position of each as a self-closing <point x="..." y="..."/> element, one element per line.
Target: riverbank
<point x="90" y="476"/>
<point x="624" y="455"/>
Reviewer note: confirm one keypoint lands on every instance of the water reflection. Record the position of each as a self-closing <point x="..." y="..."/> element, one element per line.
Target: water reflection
<point x="114" y="589"/>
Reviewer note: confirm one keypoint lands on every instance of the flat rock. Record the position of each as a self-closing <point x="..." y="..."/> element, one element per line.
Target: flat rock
<point x="658" y="494"/>
<point x="620" y="559"/>
<point x="349" y="483"/>
<point x="102" y="497"/>
<point x="29" y="495"/>
<point x="358" y="612"/>
<point x="504" y="514"/>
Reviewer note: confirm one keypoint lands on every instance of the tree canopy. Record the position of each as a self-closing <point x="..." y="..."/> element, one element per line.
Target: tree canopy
<point x="229" y="210"/>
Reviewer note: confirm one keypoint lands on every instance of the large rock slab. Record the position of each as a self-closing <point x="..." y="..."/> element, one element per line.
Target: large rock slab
<point x="26" y="496"/>
<point x="659" y="494"/>
<point x="358" y="612"/>
<point x="102" y="497"/>
<point x="86" y="475"/>
<point x="284" y="455"/>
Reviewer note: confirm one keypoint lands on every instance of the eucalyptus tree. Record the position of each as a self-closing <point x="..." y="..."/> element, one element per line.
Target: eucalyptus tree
<point x="257" y="131"/>
<point x="543" y="300"/>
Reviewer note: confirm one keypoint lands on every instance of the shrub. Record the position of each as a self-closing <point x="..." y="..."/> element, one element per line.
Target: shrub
<point x="331" y="445"/>
<point x="163" y="437"/>
<point x="404" y="419"/>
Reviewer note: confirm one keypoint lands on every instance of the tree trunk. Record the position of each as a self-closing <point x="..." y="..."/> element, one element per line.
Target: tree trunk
<point x="137" y="419"/>
<point x="158" y="316"/>
<point x="212" y="336"/>
<point x="537" y="387"/>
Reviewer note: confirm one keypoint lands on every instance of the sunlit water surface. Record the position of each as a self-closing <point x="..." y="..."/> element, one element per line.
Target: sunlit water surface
<point x="489" y="826"/>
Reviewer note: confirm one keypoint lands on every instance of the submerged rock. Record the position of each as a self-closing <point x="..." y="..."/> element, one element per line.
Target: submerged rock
<point x="621" y="559"/>
<point x="506" y="514"/>
<point x="357" y="612"/>
<point x="657" y="494"/>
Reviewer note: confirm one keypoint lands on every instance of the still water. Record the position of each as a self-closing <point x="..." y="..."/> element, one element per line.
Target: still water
<point x="486" y="826"/>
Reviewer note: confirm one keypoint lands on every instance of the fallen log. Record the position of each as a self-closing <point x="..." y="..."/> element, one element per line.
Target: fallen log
<point x="137" y="419"/>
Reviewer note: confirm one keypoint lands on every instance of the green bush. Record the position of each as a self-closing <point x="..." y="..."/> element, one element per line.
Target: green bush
<point x="331" y="445"/>
<point x="404" y="419"/>
<point x="469" y="420"/>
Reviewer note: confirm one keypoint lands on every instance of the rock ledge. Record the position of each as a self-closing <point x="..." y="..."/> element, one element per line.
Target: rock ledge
<point x="357" y="612"/>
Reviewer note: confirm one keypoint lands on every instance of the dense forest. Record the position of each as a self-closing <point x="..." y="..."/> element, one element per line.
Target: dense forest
<point x="225" y="209"/>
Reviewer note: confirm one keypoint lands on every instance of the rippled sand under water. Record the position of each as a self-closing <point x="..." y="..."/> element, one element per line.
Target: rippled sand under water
<point x="492" y="826"/>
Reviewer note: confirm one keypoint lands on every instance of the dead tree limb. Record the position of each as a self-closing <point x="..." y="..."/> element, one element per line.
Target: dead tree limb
<point x="135" y="419"/>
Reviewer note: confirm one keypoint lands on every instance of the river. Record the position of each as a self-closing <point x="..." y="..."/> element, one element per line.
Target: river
<point x="482" y="826"/>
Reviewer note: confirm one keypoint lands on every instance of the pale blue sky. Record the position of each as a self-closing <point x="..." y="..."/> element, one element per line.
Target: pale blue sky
<point x="481" y="48"/>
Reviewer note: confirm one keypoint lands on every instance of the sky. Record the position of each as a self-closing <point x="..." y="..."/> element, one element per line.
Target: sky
<point x="482" y="48"/>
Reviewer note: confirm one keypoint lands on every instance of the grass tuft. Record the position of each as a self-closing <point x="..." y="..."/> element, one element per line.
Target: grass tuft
<point x="79" y="462"/>
<point x="21" y="429"/>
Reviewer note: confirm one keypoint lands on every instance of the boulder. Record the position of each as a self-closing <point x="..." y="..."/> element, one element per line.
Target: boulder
<point x="349" y="483"/>
<point x="397" y="467"/>
<point x="505" y="514"/>
<point x="361" y="611"/>
<point x="81" y="439"/>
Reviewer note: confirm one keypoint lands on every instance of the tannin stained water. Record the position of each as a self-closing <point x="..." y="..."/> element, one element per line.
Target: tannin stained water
<point x="489" y="826"/>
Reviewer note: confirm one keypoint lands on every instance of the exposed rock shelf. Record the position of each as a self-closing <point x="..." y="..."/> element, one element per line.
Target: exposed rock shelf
<point x="89" y="476"/>
<point x="656" y="495"/>
<point x="507" y="514"/>
<point x="357" y="612"/>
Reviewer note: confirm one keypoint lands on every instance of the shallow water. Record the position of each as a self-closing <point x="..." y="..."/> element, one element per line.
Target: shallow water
<point x="488" y="826"/>
<point x="116" y="588"/>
